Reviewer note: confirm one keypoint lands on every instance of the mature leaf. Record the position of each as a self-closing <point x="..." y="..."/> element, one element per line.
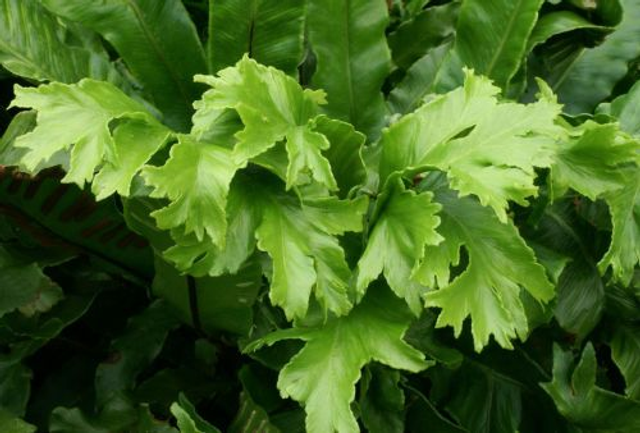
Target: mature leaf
<point x="200" y="258"/>
<point x="188" y="419"/>
<point x="438" y="71"/>
<point x="582" y="402"/>
<point x="624" y="204"/>
<point x="92" y="105"/>
<point x="425" y="31"/>
<point x="221" y="303"/>
<point x="158" y="42"/>
<point x="625" y="350"/>
<point x="345" y="153"/>
<point x="581" y="295"/>
<point x="135" y="141"/>
<point x="270" y="31"/>
<point x="33" y="44"/>
<point x="500" y="265"/>
<point x="9" y="423"/>
<point x="488" y="148"/>
<point x="196" y="180"/>
<point x="20" y="283"/>
<point x="323" y="374"/>
<point x="353" y="59"/>
<point x="133" y="351"/>
<point x="492" y="35"/>
<point x="405" y="223"/>
<point x="556" y="23"/>
<point x="585" y="70"/>
<point x="382" y="400"/>
<point x="300" y="239"/>
<point x="273" y="107"/>
<point x="589" y="162"/>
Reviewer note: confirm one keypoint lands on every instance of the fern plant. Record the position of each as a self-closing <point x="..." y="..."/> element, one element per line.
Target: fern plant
<point x="391" y="216"/>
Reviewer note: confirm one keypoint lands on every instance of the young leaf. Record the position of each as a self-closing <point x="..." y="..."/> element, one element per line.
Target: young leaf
<point x="624" y="204"/>
<point x="500" y="265"/>
<point x="273" y="107"/>
<point x="488" y="148"/>
<point x="353" y="60"/>
<point x="404" y="225"/>
<point x="492" y="35"/>
<point x="92" y="105"/>
<point x="196" y="179"/>
<point x="436" y="72"/>
<point x="33" y="45"/>
<point x="322" y="376"/>
<point x="158" y="42"/>
<point x="300" y="238"/>
<point x="202" y="257"/>
<point x="270" y="31"/>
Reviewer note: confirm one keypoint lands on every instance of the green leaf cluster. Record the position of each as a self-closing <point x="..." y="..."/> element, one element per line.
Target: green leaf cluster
<point x="320" y="216"/>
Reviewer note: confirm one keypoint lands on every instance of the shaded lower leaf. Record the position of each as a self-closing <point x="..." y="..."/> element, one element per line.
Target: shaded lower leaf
<point x="584" y="71"/>
<point x="9" y="423"/>
<point x="382" y="400"/>
<point x="579" y="399"/>
<point x="188" y="419"/>
<point x="133" y="351"/>
<point x="251" y="417"/>
<point x="625" y="350"/>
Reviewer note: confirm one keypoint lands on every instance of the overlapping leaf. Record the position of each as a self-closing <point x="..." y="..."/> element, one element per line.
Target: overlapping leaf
<point x="405" y="224"/>
<point x="500" y="265"/>
<point x="273" y="107"/>
<point x="158" y="42"/>
<point x="196" y="180"/>
<point x="93" y="106"/>
<point x="322" y="376"/>
<point x="488" y="148"/>
<point x="270" y="31"/>
<point x="300" y="238"/>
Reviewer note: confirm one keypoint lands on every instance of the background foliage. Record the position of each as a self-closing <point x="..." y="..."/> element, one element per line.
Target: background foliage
<point x="320" y="215"/>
